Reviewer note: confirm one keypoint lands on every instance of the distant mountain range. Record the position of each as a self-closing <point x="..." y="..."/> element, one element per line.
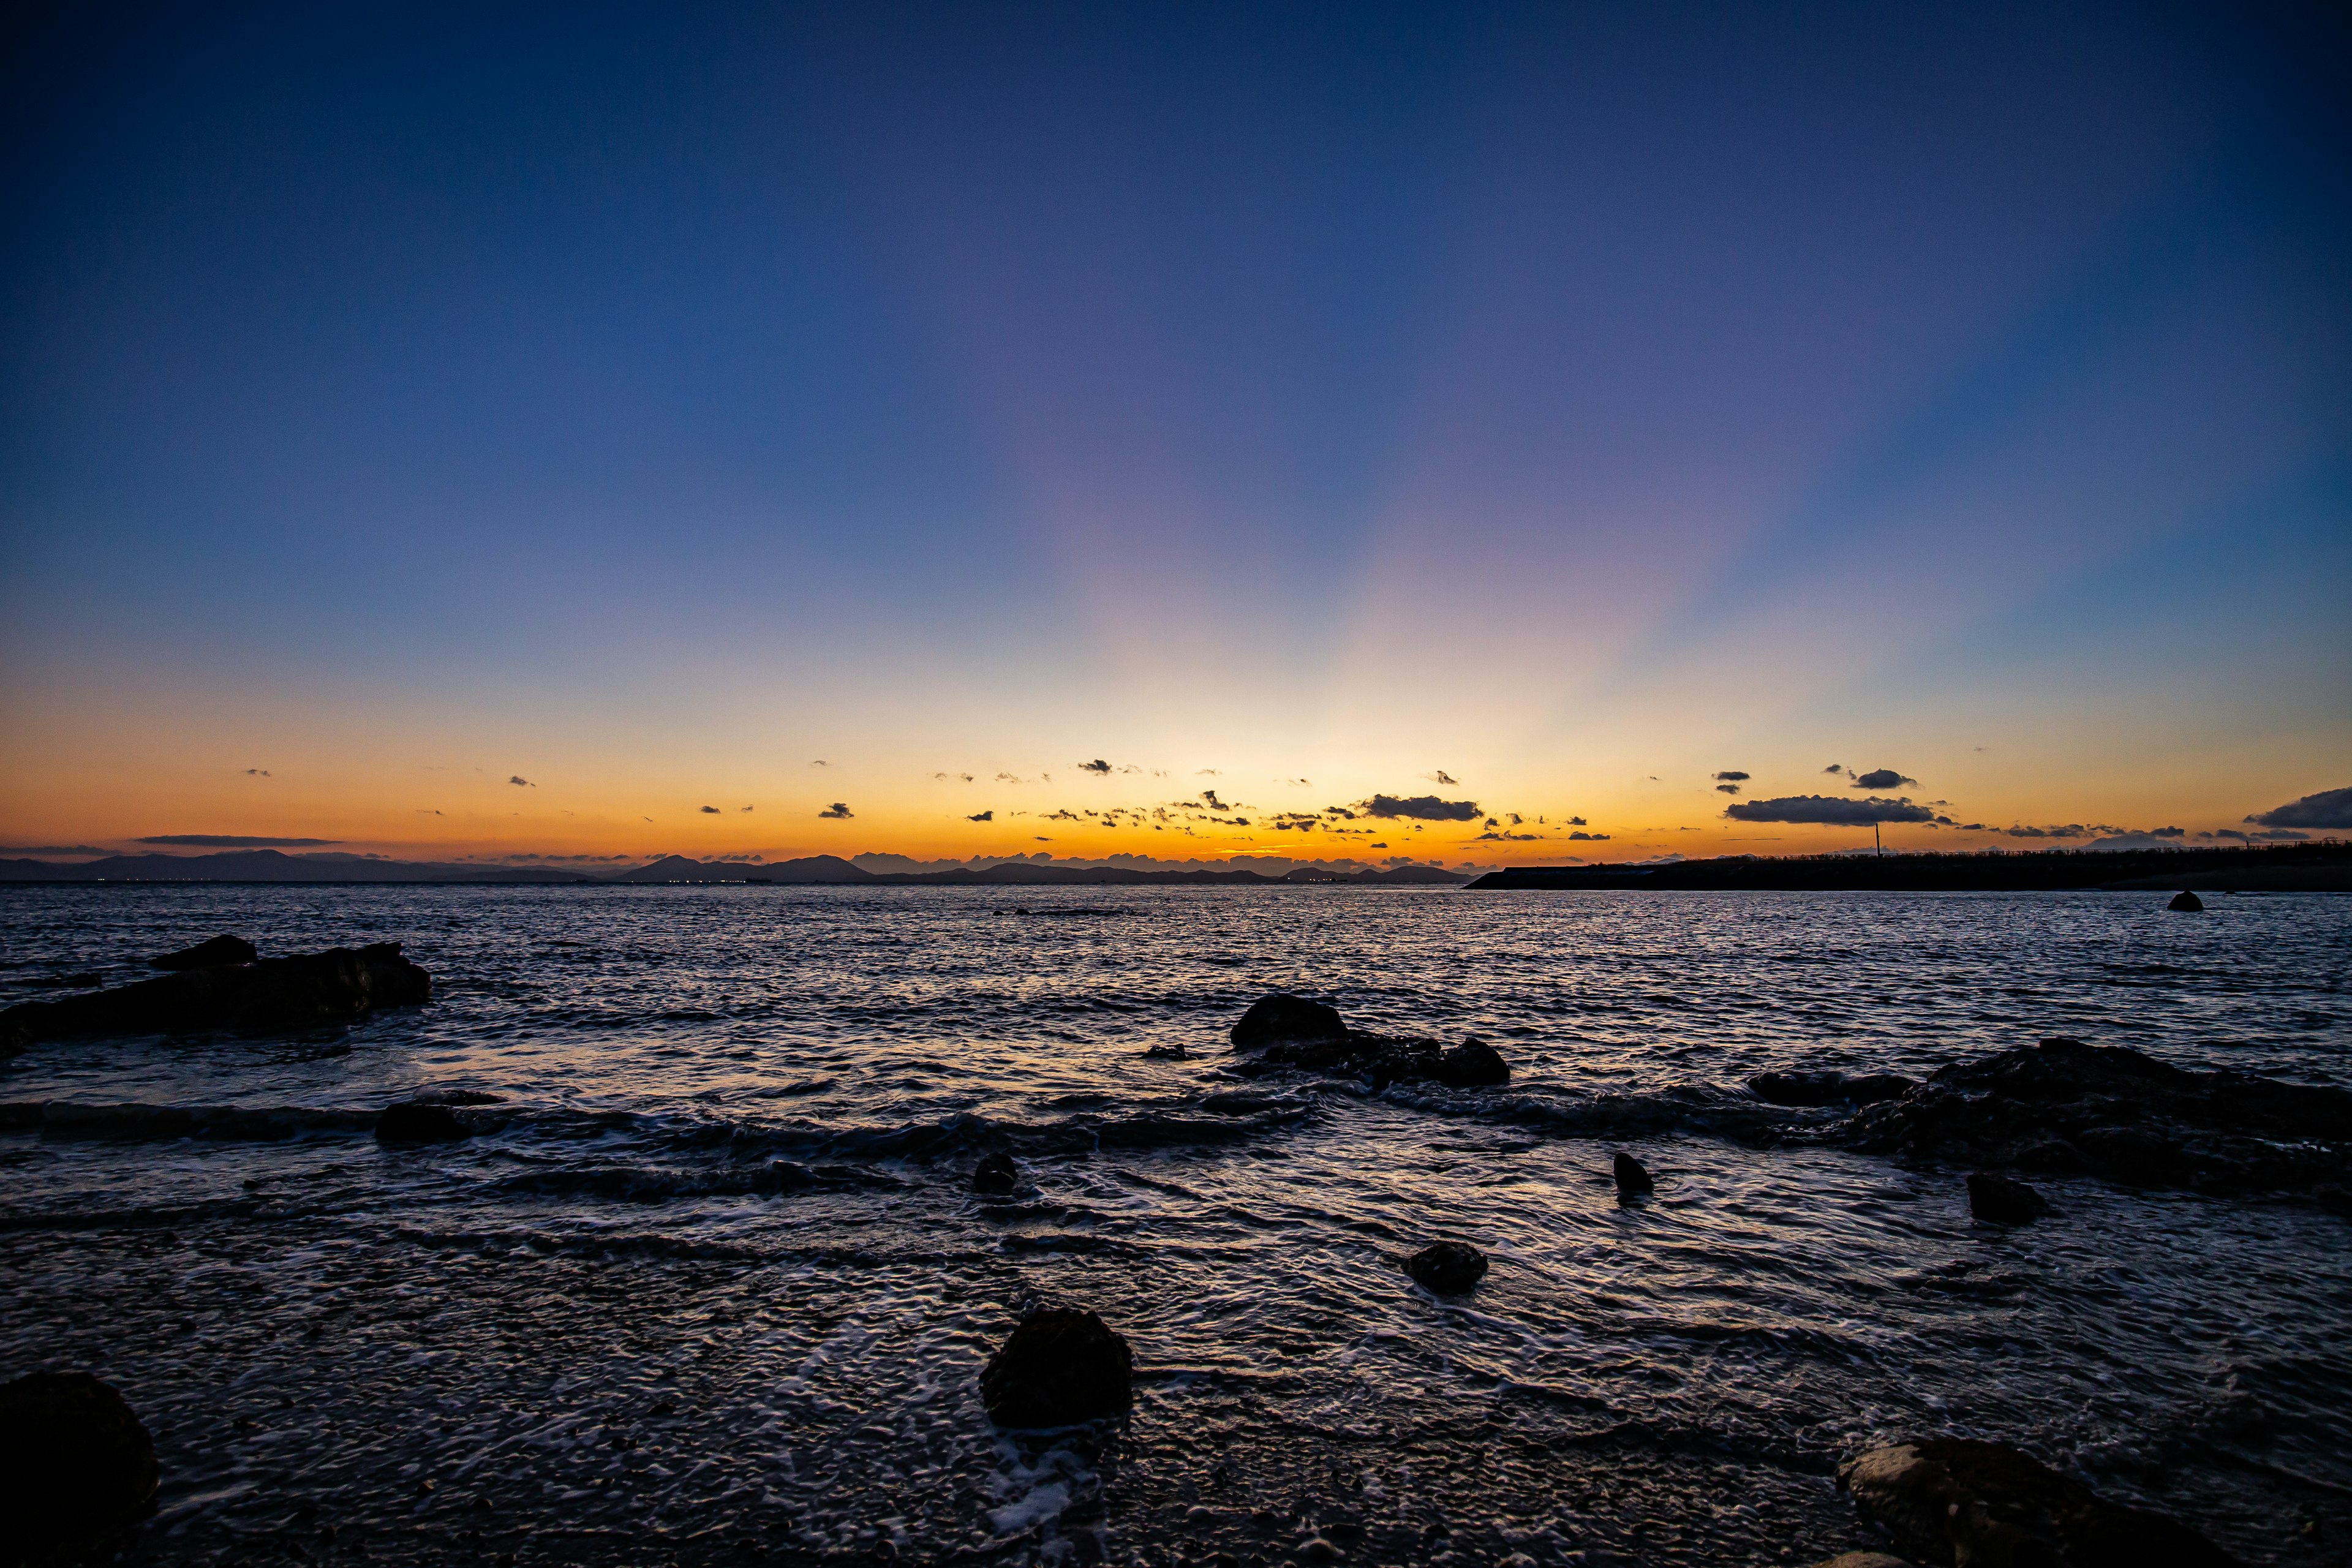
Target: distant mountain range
<point x="275" y="865"/>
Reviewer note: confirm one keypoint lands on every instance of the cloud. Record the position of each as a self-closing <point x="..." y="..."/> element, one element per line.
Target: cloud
<point x="1303" y="784"/>
<point x="1727" y="789"/>
<point x="746" y="808"/>
<point x="2329" y="808"/>
<point x="2055" y="830"/>
<point x="1834" y="768"/>
<point x="1208" y="774"/>
<point x="982" y="816"/>
<point x="943" y="778"/>
<point x="709" y="811"/>
<point x="1441" y="776"/>
<point x="1008" y="778"/>
<point x="234" y="841"/>
<point x="258" y="773"/>
<point x="1882" y="778"/>
<point x="52" y="849"/>
<point x="1577" y="822"/>
<point x="837" y="810"/>
<point x="1096" y="766"/>
<point x="1420" y="807"/>
<point x="1590" y="837"/>
<point x="1065" y="815"/>
<point x="1505" y="837"/>
<point x="820" y="762"/>
<point x="522" y="782"/>
<point x="1732" y="775"/>
<point x="1214" y="804"/>
<point x="1827" y="811"/>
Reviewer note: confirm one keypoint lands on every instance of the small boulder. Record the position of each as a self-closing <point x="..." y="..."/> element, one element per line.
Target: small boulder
<point x="77" y="1468"/>
<point x="1633" y="1178"/>
<point x="2004" y="1201"/>
<point x="1282" y="1018"/>
<point x="1447" y="1267"/>
<point x="211" y="955"/>
<point x="2187" y="904"/>
<point x="1472" y="1064"/>
<point x="1955" y="1500"/>
<point x="413" y="1121"/>
<point x="995" y="1175"/>
<point x="1060" y="1366"/>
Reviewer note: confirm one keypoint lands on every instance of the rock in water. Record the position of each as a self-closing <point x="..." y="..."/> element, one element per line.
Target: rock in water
<point x="1633" y="1178"/>
<point x="996" y="1174"/>
<point x="1472" y="1064"/>
<point x="2187" y="904"/>
<point x="2003" y="1201"/>
<point x="1955" y="1499"/>
<point x="210" y="954"/>
<point x="417" y="1122"/>
<point x="1281" y="1018"/>
<point x="1060" y="1366"/>
<point x="302" y="991"/>
<point x="1448" y="1268"/>
<point x="77" y="1468"/>
<point x="1818" y="1089"/>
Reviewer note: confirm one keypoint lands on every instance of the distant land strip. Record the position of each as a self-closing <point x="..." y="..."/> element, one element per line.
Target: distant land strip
<point x="2324" y="866"/>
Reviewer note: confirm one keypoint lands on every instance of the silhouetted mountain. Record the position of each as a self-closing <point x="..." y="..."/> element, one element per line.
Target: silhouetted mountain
<point x="2321" y="866"/>
<point x="272" y="866"/>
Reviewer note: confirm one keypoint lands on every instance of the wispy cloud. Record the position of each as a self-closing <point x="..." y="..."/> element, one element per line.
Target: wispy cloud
<point x="522" y="781"/>
<point x="1826" y="810"/>
<point x="233" y="841"/>
<point x="982" y="816"/>
<point x="258" y="773"/>
<point x="836" y="810"/>
<point x="1442" y="776"/>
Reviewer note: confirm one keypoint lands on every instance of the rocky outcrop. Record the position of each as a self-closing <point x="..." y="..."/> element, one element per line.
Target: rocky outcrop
<point x="77" y="1468"/>
<point x="1954" y="1502"/>
<point x="1632" y="1176"/>
<point x="1819" y="1089"/>
<point x="2003" y="1201"/>
<point x="219" y="950"/>
<point x="336" y="986"/>
<point x="1289" y="1032"/>
<point x="2187" y="903"/>
<point x="995" y="1174"/>
<point x="1447" y="1267"/>
<point x="2104" y="1111"/>
<point x="1060" y="1366"/>
<point x="421" y="1121"/>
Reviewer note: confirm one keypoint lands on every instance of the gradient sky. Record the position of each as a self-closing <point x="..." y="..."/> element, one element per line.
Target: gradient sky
<point x="1575" y="403"/>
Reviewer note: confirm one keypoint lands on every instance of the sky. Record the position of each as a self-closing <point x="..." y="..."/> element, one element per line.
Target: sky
<point x="597" y="432"/>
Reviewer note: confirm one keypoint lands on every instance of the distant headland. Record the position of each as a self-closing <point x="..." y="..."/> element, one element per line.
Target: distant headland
<point x="2323" y="866"/>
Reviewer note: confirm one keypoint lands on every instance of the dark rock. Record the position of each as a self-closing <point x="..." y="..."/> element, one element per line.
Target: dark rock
<point x="454" y="1096"/>
<point x="211" y="955"/>
<point x="302" y="991"/>
<point x="1472" y="1064"/>
<point x="1955" y="1500"/>
<point x="1282" y="1018"/>
<point x="412" y="1122"/>
<point x="64" y="982"/>
<point x="1171" y="1052"/>
<point x="1818" y="1089"/>
<point x="1384" y="1059"/>
<point x="996" y="1174"/>
<point x="2002" y="1201"/>
<point x="1448" y="1268"/>
<point x="2118" y="1114"/>
<point x="1862" y="1560"/>
<point x="1633" y="1178"/>
<point x="1059" y="1367"/>
<point x="2187" y="903"/>
<point x="77" y="1468"/>
<point x="2334" y="1198"/>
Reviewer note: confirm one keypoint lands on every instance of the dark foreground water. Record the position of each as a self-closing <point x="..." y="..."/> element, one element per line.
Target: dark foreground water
<point x="715" y="1287"/>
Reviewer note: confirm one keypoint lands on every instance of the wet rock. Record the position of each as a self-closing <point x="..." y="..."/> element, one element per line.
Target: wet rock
<point x="1281" y="1018"/>
<point x="412" y="1121"/>
<point x="2187" y="903"/>
<point x="454" y="1096"/>
<point x="1819" y="1089"/>
<point x="1633" y="1178"/>
<point x="1060" y="1366"/>
<point x="1448" y="1268"/>
<point x="995" y="1175"/>
<point x="1472" y="1064"/>
<point x="1172" y="1052"/>
<point x="1955" y="1501"/>
<point x="2334" y="1198"/>
<point x="306" y="991"/>
<point x="63" y="982"/>
<point x="211" y="955"/>
<point x="1383" y="1059"/>
<point x="1863" y="1560"/>
<point x="2123" y="1115"/>
<point x="77" y="1467"/>
<point x="2003" y="1201"/>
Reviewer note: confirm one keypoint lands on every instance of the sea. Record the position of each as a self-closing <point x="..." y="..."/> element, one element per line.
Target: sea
<point x="711" y="1284"/>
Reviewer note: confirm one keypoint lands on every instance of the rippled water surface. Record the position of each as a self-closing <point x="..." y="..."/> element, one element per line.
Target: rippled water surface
<point x="711" y="1285"/>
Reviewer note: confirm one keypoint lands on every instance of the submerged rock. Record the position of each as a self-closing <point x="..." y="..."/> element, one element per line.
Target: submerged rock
<point x="1472" y="1064"/>
<point x="1633" y="1178"/>
<point x="2003" y="1201"/>
<point x="2116" y="1113"/>
<point x="77" y="1467"/>
<point x="420" y="1121"/>
<point x="2187" y="904"/>
<point x="1818" y="1089"/>
<point x="305" y="991"/>
<point x="1282" y="1018"/>
<point x="1954" y="1500"/>
<point x="1448" y="1268"/>
<point x="995" y="1175"/>
<point x="1060" y="1366"/>
<point x="211" y="955"/>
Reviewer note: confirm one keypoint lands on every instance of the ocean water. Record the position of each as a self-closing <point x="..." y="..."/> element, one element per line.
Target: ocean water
<point x="711" y="1284"/>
